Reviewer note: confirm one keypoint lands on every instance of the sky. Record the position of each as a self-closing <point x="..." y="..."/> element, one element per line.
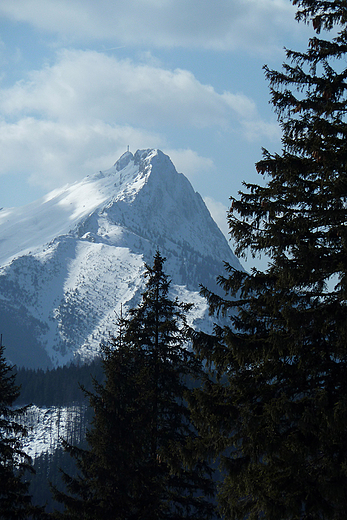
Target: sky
<point x="83" y="79"/>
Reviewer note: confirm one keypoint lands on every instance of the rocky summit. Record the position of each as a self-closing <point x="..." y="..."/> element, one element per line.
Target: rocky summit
<point x="70" y="260"/>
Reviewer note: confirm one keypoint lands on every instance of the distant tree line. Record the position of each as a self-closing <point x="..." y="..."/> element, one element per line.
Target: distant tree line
<point x="57" y="387"/>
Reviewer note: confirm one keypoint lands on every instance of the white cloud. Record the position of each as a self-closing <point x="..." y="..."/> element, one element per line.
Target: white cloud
<point x="255" y="128"/>
<point x="90" y="86"/>
<point x="52" y="154"/>
<point x="79" y="114"/>
<point x="219" y="214"/>
<point x="226" y="24"/>
<point x="189" y="162"/>
<point x="241" y="104"/>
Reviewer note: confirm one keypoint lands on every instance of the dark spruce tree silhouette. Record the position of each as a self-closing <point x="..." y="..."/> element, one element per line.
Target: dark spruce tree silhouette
<point x="15" y="500"/>
<point x="277" y="411"/>
<point x="139" y="461"/>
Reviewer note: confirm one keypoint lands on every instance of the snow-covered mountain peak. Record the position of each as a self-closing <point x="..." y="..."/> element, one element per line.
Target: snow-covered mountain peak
<point x="28" y="227"/>
<point x="70" y="260"/>
<point x="124" y="160"/>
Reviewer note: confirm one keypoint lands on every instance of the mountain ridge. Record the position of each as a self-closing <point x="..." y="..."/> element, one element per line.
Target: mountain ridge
<point x="69" y="260"/>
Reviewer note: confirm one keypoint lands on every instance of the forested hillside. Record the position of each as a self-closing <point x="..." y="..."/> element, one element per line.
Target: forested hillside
<point x="54" y="392"/>
<point x="57" y="387"/>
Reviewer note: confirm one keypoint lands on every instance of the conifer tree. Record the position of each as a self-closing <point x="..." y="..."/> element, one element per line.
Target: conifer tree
<point x="15" y="501"/>
<point x="277" y="412"/>
<point x="138" y="465"/>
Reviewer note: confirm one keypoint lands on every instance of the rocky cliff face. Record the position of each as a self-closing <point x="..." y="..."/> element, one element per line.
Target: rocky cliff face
<point x="70" y="260"/>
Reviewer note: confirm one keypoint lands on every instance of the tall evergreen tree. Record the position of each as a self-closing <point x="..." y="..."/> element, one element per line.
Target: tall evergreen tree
<point x="15" y="501"/>
<point x="138" y="464"/>
<point x="278" y="410"/>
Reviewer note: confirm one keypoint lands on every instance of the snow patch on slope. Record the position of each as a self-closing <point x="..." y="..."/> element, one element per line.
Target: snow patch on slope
<point x="70" y="260"/>
<point x="46" y="426"/>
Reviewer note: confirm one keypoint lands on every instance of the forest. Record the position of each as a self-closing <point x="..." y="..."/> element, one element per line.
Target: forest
<point x="57" y="387"/>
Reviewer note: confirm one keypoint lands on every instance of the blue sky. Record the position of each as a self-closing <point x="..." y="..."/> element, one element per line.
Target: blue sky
<point x="82" y="79"/>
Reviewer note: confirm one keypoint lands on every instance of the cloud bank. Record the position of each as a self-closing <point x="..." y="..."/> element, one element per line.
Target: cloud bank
<point x="77" y="114"/>
<point x="224" y="25"/>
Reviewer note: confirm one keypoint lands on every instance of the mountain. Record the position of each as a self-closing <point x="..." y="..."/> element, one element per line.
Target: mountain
<point x="70" y="260"/>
